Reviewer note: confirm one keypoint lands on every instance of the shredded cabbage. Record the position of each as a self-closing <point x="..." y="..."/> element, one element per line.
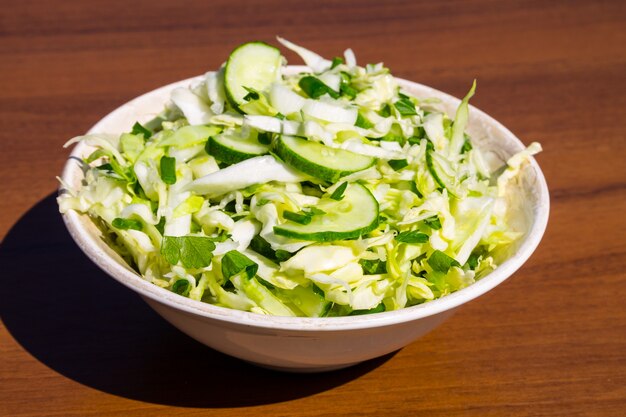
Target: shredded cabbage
<point x="443" y="215"/>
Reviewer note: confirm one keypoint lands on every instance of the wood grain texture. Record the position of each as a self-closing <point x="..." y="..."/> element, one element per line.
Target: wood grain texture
<point x="551" y="341"/>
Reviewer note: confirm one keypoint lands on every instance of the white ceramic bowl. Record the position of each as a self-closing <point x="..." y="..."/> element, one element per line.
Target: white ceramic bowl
<point x="309" y="344"/>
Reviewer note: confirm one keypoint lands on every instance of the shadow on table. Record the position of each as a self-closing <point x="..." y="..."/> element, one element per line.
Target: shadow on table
<point x="83" y="324"/>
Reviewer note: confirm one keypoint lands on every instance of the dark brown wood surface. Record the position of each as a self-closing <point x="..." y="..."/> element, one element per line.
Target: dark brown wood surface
<point x="550" y="341"/>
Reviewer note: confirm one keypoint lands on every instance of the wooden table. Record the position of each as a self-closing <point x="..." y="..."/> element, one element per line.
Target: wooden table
<point x="549" y="341"/>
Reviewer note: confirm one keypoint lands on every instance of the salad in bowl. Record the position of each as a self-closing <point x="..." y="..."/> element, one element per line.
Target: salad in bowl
<point x="320" y="191"/>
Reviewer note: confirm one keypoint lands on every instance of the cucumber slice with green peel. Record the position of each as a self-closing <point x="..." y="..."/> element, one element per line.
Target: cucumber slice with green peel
<point x="254" y="65"/>
<point x="441" y="170"/>
<point x="353" y="216"/>
<point x="307" y="300"/>
<point x="231" y="148"/>
<point x="318" y="160"/>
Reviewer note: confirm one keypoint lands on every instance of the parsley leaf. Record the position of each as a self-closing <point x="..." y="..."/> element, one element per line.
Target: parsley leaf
<point x="124" y="173"/>
<point x="405" y="107"/>
<point x="168" y="170"/>
<point x="414" y="189"/>
<point x="234" y="262"/>
<point x="138" y="129"/>
<point x="170" y="249"/>
<point x="194" y="252"/>
<point x="412" y="237"/>
<point x="181" y="287"/>
<point x="283" y="255"/>
<point x="414" y="140"/>
<point x="472" y="261"/>
<point x="398" y="164"/>
<point x="315" y="88"/>
<point x="338" y="193"/>
<point x="262" y="247"/>
<point x="363" y="122"/>
<point x="336" y="61"/>
<point x="125" y="224"/>
<point x="160" y="226"/>
<point x="221" y="237"/>
<point x="385" y="110"/>
<point x="347" y="90"/>
<point x="441" y="262"/>
<point x="373" y="266"/>
<point x="433" y="222"/>
<point x="105" y="167"/>
<point x="467" y="145"/>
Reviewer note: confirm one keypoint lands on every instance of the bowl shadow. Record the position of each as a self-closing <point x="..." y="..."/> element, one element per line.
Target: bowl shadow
<point x="83" y="324"/>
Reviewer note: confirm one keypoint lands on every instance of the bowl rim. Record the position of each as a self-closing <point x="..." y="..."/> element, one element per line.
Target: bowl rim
<point x="92" y="246"/>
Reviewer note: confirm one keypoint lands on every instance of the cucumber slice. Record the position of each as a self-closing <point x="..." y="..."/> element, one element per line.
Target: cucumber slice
<point x="441" y="170"/>
<point x="351" y="217"/>
<point x="307" y="300"/>
<point x="255" y="65"/>
<point x="231" y="148"/>
<point x="320" y="161"/>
